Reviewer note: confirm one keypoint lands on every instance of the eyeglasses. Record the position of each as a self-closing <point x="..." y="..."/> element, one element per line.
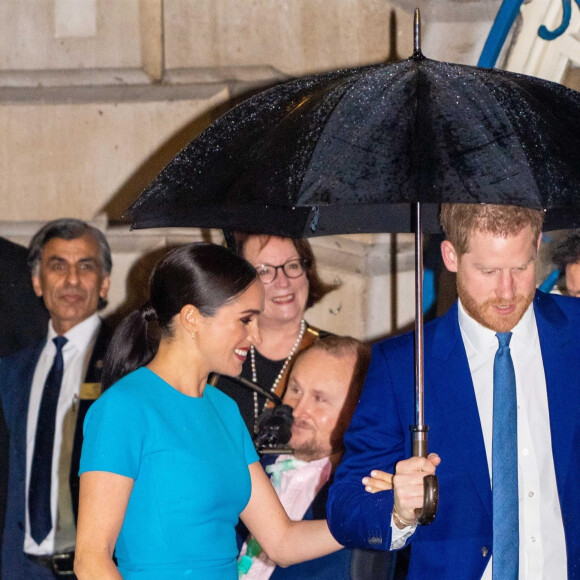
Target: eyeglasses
<point x="292" y="269"/>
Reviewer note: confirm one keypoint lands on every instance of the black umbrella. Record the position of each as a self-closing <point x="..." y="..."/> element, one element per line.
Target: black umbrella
<point x="361" y="150"/>
<point x="346" y="151"/>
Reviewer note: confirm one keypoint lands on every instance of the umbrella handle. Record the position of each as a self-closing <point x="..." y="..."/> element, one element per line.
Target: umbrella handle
<point x="427" y="513"/>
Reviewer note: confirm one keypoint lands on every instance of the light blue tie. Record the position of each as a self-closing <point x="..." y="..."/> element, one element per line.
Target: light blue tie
<point x="505" y="464"/>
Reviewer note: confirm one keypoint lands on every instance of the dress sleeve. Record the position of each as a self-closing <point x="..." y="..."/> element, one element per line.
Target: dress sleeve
<point x="113" y="436"/>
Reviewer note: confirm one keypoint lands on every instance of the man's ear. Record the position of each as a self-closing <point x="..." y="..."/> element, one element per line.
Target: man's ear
<point x="449" y="255"/>
<point x="36" y="285"/>
<point x="105" y="286"/>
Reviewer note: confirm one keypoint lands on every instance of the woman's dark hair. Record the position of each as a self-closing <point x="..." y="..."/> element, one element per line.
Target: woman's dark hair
<point x="317" y="289"/>
<point x="204" y="275"/>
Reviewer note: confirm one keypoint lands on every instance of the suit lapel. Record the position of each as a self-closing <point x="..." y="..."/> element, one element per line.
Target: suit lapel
<point x="446" y="395"/>
<point x="23" y="383"/>
<point x="449" y="391"/>
<point x="93" y="375"/>
<point x="95" y="367"/>
<point x="563" y="386"/>
<point x="19" y="384"/>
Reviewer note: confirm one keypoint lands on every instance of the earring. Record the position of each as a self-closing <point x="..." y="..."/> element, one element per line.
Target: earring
<point x="193" y="334"/>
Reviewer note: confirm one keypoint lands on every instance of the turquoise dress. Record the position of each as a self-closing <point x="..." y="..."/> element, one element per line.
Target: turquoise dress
<point x="188" y="457"/>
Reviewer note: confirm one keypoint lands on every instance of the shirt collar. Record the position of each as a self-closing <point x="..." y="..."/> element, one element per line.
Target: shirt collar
<point x="81" y="335"/>
<point x="320" y="464"/>
<point x="482" y="338"/>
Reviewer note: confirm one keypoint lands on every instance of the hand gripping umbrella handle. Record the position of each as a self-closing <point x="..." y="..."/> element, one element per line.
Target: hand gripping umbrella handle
<point x="426" y="514"/>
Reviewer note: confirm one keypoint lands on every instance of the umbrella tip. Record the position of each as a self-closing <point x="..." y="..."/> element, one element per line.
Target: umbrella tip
<point x="417" y="35"/>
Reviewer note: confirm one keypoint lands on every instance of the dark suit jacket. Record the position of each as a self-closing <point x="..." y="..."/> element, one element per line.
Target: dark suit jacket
<point x="23" y="315"/>
<point x="342" y="565"/>
<point x="3" y="475"/>
<point x="459" y="542"/>
<point x="16" y="374"/>
<point x="24" y="321"/>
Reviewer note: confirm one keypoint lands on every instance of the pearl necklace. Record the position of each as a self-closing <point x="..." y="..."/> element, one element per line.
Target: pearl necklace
<point x="280" y="374"/>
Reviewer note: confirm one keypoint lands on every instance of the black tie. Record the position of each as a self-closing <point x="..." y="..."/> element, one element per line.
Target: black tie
<point x="41" y="471"/>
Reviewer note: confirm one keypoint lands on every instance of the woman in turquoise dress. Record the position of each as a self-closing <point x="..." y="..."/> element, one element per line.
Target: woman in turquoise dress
<point x="168" y="465"/>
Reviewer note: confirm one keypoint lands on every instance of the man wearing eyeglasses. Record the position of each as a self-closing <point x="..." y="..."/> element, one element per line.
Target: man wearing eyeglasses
<point x="287" y="269"/>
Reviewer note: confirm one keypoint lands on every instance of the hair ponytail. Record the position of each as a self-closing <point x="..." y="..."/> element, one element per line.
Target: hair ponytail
<point x="148" y="312"/>
<point x="131" y="347"/>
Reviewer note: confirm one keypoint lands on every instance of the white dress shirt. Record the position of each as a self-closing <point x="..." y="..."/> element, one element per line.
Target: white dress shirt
<point x="542" y="542"/>
<point x="76" y="355"/>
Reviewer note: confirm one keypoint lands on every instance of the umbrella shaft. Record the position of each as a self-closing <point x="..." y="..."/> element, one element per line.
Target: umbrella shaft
<point x="419" y="440"/>
<point x="419" y="418"/>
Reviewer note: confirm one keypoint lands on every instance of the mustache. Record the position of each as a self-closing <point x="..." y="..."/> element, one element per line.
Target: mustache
<point x="71" y="292"/>
<point x="499" y="302"/>
<point x="302" y="424"/>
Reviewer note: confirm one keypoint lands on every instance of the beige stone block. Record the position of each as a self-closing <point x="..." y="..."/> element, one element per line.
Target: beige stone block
<point x="77" y="159"/>
<point x="296" y="38"/>
<point x="33" y="36"/>
<point x="75" y="18"/>
<point x="375" y="297"/>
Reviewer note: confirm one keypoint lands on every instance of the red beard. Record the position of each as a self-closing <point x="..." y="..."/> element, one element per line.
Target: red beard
<point x="484" y="313"/>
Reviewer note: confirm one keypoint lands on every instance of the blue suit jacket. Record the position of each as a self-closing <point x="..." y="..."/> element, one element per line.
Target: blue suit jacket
<point x="16" y="374"/>
<point x="459" y="543"/>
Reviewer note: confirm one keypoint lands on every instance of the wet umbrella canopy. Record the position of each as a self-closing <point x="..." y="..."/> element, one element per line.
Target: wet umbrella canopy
<point x="357" y="150"/>
<point x="346" y="151"/>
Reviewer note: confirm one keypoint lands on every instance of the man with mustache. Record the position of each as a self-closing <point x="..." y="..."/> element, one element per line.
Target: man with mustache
<point x="45" y="390"/>
<point x="323" y="388"/>
<point x="502" y="393"/>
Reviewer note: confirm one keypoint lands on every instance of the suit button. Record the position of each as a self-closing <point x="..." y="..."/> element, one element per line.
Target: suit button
<point x="484" y="551"/>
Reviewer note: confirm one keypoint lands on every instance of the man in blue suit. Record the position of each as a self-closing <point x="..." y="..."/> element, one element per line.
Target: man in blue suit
<point x="70" y="263"/>
<point x="493" y="251"/>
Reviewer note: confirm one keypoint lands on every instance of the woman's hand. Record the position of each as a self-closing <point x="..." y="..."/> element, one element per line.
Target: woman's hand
<point x="378" y="481"/>
<point x="284" y="541"/>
